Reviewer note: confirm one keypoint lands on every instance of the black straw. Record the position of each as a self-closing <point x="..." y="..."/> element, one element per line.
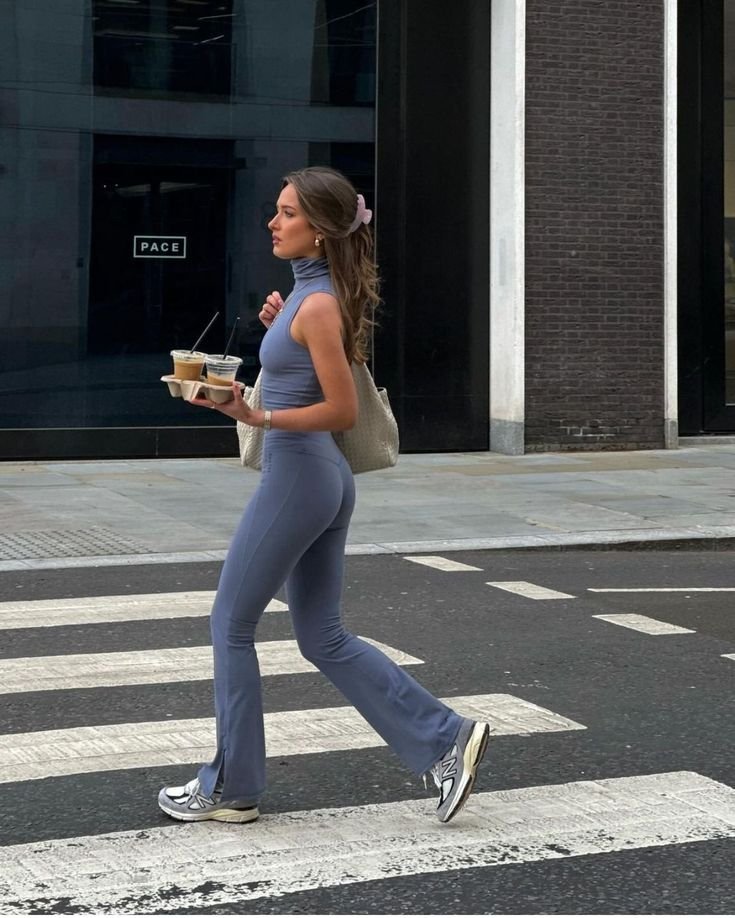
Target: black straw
<point x="194" y="346"/>
<point x="232" y="335"/>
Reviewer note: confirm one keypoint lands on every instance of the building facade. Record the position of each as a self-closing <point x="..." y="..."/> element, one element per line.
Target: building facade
<point x="552" y="186"/>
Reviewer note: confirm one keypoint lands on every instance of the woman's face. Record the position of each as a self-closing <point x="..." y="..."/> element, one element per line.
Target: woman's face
<point x="293" y="235"/>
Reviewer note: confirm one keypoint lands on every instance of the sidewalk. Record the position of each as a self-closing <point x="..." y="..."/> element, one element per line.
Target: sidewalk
<point x="80" y="514"/>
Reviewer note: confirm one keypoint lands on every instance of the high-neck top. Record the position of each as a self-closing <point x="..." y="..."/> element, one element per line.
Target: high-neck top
<point x="306" y="269"/>
<point x="289" y="379"/>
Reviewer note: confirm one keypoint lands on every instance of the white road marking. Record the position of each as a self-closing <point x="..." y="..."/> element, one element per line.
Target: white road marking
<point x="81" y="750"/>
<point x="528" y="590"/>
<point x="661" y="590"/>
<point x="644" y="624"/>
<point x="140" y="667"/>
<point x="729" y="656"/>
<point x="90" y="610"/>
<point x="441" y="564"/>
<point x="208" y="864"/>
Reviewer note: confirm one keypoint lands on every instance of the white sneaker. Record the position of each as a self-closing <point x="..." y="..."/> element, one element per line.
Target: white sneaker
<point x="189" y="804"/>
<point x="454" y="773"/>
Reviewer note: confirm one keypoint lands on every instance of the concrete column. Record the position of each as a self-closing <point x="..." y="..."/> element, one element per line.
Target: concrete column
<point x="507" y="235"/>
<point x="671" y="394"/>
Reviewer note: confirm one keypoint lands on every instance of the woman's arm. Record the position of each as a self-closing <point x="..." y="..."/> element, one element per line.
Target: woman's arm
<point x="317" y="326"/>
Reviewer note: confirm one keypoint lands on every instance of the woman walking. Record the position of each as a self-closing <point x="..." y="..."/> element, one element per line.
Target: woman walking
<point x="294" y="528"/>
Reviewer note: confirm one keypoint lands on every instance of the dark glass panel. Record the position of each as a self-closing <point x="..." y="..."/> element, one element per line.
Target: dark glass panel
<point x="163" y="47"/>
<point x="87" y="326"/>
<point x="432" y="344"/>
<point x="345" y="40"/>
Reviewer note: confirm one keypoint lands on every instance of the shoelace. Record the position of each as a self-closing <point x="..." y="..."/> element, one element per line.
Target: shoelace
<point x="434" y="772"/>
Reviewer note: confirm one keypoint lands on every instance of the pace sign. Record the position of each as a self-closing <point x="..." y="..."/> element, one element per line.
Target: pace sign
<point x="159" y="246"/>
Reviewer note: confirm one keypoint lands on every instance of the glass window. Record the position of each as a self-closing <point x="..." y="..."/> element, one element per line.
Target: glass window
<point x="115" y="140"/>
<point x="149" y="47"/>
<point x="344" y="46"/>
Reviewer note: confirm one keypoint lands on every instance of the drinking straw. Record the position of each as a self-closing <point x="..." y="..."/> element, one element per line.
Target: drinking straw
<point x="232" y="335"/>
<point x="194" y="346"/>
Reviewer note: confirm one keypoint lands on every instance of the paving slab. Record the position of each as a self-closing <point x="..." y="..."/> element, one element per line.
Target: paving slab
<point x="434" y="502"/>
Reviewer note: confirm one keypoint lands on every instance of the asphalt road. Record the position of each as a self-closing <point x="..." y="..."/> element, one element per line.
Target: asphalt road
<point x="644" y="704"/>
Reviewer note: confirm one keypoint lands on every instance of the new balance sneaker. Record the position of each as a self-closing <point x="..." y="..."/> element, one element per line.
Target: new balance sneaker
<point x="454" y="773"/>
<point x="189" y="804"/>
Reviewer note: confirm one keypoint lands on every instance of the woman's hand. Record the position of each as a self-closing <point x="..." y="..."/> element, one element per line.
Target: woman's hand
<point x="270" y="309"/>
<point x="237" y="408"/>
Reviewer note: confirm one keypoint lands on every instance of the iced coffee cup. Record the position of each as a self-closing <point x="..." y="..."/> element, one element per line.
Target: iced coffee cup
<point x="221" y="371"/>
<point x="188" y="364"/>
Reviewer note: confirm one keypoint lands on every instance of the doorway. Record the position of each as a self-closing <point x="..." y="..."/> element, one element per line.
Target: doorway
<point x="158" y="257"/>
<point x="158" y="273"/>
<point x="706" y="196"/>
<point x="433" y="192"/>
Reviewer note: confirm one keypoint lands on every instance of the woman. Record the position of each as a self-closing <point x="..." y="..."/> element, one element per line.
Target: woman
<point x="295" y="527"/>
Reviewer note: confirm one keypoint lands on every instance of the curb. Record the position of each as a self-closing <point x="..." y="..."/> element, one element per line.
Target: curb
<point x="621" y="540"/>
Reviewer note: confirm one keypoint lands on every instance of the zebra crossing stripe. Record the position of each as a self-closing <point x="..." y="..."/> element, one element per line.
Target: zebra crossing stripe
<point x="440" y="564"/>
<point x="528" y="590"/>
<point x="90" y="610"/>
<point x="644" y="624"/>
<point x="82" y="750"/>
<point x="209" y="864"/>
<point x="140" y="667"/>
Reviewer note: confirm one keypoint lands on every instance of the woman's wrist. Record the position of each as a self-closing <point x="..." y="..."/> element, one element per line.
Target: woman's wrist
<point x="267" y="418"/>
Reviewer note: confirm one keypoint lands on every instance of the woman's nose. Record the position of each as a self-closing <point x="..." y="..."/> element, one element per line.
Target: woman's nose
<point x="272" y="224"/>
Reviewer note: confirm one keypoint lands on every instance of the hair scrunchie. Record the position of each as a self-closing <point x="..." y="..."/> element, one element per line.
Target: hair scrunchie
<point x="363" y="215"/>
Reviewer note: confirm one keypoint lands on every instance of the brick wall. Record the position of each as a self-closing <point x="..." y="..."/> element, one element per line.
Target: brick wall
<point x="594" y="225"/>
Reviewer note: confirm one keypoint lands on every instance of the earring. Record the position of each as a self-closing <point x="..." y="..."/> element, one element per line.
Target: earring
<point x="317" y="241"/>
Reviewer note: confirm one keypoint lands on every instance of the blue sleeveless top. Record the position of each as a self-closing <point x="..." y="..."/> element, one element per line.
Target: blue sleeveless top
<point x="289" y="379"/>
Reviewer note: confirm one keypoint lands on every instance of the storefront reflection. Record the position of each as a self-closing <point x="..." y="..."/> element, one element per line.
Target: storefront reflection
<point x="158" y="119"/>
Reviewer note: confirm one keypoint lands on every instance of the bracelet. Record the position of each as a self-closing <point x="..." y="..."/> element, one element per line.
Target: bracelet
<point x="267" y="419"/>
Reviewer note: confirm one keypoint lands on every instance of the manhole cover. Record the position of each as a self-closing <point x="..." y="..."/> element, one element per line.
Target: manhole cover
<point x="66" y="543"/>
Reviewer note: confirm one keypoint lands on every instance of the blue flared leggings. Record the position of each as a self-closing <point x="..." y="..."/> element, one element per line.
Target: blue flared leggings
<point x="294" y="531"/>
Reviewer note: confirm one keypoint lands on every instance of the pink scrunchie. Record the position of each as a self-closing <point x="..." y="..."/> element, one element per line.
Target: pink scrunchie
<point x="363" y="215"/>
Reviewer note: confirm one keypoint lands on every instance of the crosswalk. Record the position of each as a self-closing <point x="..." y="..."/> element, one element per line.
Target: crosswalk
<point x="91" y="610"/>
<point x="529" y="590"/>
<point x="292" y="852"/>
<point x="643" y="623"/>
<point x="148" y="667"/>
<point x="161" y="866"/>
<point x="29" y="756"/>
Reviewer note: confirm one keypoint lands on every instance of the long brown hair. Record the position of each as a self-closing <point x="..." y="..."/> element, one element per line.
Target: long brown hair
<point x="329" y="201"/>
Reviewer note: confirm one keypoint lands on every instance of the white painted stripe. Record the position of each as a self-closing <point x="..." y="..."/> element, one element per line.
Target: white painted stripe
<point x="729" y="656"/>
<point x="644" y="624"/>
<point x="528" y="590"/>
<point x="89" y="610"/>
<point x="81" y="750"/>
<point x="441" y="564"/>
<point x="209" y="864"/>
<point x="662" y="590"/>
<point x="141" y="667"/>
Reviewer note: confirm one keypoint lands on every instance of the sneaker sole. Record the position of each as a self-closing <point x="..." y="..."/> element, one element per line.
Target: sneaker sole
<point x="473" y="755"/>
<point x="224" y="815"/>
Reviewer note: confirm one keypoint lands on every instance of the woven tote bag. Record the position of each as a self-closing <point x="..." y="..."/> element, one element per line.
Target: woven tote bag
<point x="371" y="444"/>
<point x="251" y="438"/>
